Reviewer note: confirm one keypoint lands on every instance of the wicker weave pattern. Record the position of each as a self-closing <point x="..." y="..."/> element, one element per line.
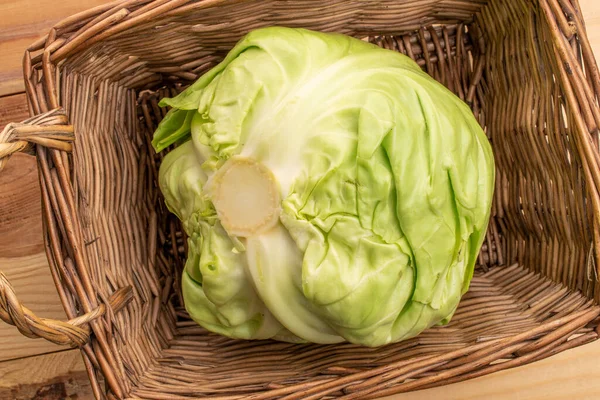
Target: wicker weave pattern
<point x="525" y="68"/>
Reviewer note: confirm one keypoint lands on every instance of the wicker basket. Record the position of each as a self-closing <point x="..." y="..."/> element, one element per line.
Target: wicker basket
<point x="526" y="69"/>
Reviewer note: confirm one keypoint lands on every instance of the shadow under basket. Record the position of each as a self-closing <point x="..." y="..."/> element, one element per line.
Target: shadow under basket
<point x="116" y="254"/>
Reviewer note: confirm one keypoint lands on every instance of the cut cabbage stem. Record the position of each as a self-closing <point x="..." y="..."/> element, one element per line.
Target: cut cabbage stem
<point x="246" y="197"/>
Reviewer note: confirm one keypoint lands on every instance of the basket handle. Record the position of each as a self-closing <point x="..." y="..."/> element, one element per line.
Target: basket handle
<point x="50" y="130"/>
<point x="74" y="333"/>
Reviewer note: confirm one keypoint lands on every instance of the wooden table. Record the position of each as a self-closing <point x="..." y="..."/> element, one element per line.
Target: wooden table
<point x="41" y="370"/>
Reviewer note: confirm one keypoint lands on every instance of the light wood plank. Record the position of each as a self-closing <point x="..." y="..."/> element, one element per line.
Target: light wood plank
<point x="50" y="377"/>
<point x="22" y="23"/>
<point x="591" y="15"/>
<point x="572" y="374"/>
<point x="20" y="208"/>
<point x="13" y="109"/>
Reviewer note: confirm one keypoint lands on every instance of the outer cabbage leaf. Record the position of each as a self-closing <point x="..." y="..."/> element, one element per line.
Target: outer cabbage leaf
<point x="219" y="294"/>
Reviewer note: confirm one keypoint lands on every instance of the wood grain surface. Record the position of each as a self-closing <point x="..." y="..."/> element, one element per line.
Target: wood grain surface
<point x="570" y="375"/>
<point x="24" y="21"/>
<point x="55" y="376"/>
<point x="27" y="372"/>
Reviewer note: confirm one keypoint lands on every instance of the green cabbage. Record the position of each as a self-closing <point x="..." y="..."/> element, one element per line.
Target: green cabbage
<point x="331" y="191"/>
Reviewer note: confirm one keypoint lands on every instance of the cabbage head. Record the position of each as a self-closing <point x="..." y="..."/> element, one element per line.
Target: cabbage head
<point x="330" y="189"/>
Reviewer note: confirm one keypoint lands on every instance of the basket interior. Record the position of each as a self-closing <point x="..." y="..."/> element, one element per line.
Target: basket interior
<point x="534" y="267"/>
